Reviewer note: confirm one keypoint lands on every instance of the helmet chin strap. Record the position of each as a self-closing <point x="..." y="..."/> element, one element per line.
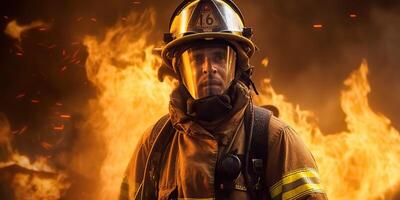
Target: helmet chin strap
<point x="243" y="68"/>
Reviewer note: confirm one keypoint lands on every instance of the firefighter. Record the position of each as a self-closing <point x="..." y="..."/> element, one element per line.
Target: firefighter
<point x="214" y="143"/>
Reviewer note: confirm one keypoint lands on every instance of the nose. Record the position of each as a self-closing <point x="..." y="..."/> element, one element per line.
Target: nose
<point x="209" y="67"/>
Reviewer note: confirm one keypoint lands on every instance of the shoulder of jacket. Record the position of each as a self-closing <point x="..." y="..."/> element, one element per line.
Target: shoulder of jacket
<point x="151" y="133"/>
<point x="278" y="129"/>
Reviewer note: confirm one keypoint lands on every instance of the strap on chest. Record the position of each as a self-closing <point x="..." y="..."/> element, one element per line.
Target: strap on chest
<point x="256" y="128"/>
<point x="161" y="136"/>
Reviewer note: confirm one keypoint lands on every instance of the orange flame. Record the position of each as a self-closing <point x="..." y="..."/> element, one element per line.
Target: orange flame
<point x="34" y="180"/>
<point x="124" y="70"/>
<point x="15" y="30"/>
<point x="359" y="163"/>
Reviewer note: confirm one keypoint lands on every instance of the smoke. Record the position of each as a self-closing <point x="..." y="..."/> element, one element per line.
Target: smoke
<point x="386" y="61"/>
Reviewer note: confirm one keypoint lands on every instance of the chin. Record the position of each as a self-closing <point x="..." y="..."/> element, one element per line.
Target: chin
<point x="212" y="90"/>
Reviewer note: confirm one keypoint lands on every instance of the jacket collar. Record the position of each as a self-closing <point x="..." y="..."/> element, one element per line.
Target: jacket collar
<point x="216" y="129"/>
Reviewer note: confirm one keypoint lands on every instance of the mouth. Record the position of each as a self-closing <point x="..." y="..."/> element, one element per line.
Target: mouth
<point x="210" y="83"/>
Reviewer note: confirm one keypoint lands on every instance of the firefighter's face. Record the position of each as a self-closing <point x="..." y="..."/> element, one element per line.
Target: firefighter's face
<point x="207" y="69"/>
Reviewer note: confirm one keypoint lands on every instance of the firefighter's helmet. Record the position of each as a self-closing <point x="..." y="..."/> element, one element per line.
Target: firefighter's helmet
<point x="196" y="20"/>
<point x="207" y="36"/>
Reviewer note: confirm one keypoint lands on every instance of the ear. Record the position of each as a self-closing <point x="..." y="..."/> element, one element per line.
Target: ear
<point x="164" y="71"/>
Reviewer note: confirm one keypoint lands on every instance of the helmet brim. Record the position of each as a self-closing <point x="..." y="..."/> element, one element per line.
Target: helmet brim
<point x="167" y="52"/>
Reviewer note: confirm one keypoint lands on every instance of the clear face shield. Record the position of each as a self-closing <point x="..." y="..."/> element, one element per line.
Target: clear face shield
<point x="207" y="70"/>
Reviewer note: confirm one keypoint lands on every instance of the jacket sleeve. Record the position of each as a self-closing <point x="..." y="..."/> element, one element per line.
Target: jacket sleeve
<point x="134" y="173"/>
<point x="291" y="171"/>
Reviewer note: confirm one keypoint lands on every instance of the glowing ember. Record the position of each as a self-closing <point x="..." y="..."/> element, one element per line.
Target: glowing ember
<point x="65" y="116"/>
<point x="317" y="26"/>
<point x="46" y="145"/>
<point x="20" y="96"/>
<point x="58" y="128"/>
<point x="35" y="101"/>
<point x="353" y="15"/>
<point x="265" y="62"/>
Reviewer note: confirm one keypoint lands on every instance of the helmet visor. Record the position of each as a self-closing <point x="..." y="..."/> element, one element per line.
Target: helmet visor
<point x="207" y="70"/>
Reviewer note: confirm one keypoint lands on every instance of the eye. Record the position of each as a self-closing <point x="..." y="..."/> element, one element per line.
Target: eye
<point x="219" y="57"/>
<point x="199" y="58"/>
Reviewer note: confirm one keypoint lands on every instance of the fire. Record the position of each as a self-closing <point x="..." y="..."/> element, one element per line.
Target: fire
<point x="130" y="97"/>
<point x="359" y="163"/>
<point x="36" y="180"/>
<point x="15" y="30"/>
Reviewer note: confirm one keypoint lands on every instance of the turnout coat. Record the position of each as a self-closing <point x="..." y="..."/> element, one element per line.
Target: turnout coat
<point x="187" y="170"/>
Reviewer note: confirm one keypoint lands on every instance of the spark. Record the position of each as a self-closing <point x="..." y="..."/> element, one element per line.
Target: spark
<point x="58" y="128"/>
<point x="46" y="145"/>
<point x="52" y="46"/>
<point x="265" y="62"/>
<point x="35" y="101"/>
<point x="20" y="96"/>
<point x="136" y="2"/>
<point x="317" y="26"/>
<point x="65" y="116"/>
<point x="63" y="68"/>
<point x="64" y="52"/>
<point x="20" y="131"/>
<point x="352" y="15"/>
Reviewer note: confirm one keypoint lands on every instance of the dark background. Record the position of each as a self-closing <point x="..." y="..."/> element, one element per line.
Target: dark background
<point x="43" y="76"/>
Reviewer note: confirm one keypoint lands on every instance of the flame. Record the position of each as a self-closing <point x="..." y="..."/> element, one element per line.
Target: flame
<point x="359" y="163"/>
<point x="37" y="188"/>
<point x="130" y="98"/>
<point x="15" y="30"/>
<point x="36" y="180"/>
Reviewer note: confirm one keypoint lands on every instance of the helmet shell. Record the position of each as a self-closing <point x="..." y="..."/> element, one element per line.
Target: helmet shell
<point x="196" y="20"/>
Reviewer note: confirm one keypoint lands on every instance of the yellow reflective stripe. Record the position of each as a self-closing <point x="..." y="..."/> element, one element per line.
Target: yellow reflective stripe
<point x="291" y="177"/>
<point x="301" y="191"/>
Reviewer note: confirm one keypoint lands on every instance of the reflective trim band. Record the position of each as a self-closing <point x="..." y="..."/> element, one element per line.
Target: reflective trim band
<point x="296" y="184"/>
<point x="239" y="187"/>
<point x="302" y="191"/>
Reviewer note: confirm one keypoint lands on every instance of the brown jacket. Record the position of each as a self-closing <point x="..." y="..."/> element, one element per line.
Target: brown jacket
<point x="190" y="159"/>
